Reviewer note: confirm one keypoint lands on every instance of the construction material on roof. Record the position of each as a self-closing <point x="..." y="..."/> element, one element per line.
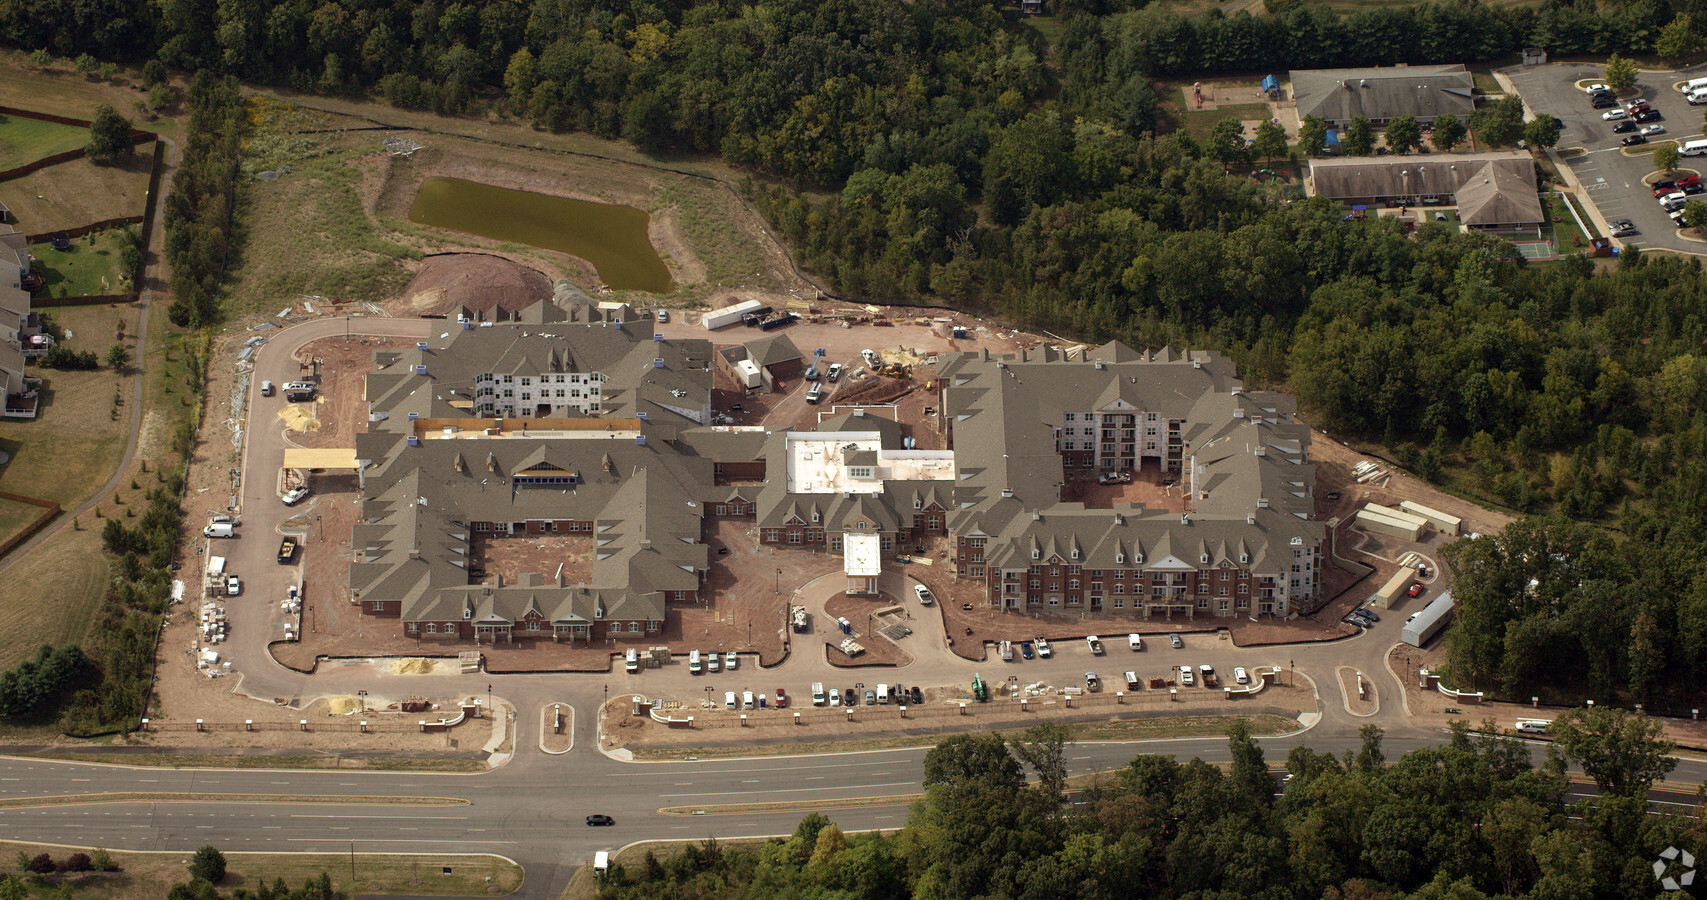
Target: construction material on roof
<point x="317" y="458"/>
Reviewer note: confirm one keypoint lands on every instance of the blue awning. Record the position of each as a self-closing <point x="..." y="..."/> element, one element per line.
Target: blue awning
<point x="1270" y="83"/>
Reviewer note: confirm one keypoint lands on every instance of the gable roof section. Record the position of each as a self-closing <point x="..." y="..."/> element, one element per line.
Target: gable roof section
<point x="1338" y="95"/>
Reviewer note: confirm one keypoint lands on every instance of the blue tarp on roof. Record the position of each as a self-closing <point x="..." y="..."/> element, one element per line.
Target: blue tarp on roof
<point x="1270" y="83"/>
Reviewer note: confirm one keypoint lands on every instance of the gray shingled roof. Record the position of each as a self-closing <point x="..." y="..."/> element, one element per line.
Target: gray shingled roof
<point x="1338" y="95"/>
<point x="1492" y="188"/>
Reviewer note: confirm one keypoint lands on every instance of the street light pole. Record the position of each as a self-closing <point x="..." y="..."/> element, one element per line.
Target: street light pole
<point x="777" y="588"/>
<point x="488" y="698"/>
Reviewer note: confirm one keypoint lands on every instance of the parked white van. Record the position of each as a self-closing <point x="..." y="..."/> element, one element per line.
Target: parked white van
<point x="1692" y="85"/>
<point x="817" y="693"/>
<point x="1696" y="98"/>
<point x="695" y="666"/>
<point x="1135" y="642"/>
<point x="219" y="530"/>
<point x="729" y="700"/>
<point x="883" y="693"/>
<point x="1692" y="148"/>
<point x="1533" y="726"/>
<point x="631" y="661"/>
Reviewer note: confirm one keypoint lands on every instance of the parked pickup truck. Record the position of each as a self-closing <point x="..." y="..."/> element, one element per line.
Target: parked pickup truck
<point x="287" y="550"/>
<point x="1095" y="644"/>
<point x="1043" y="649"/>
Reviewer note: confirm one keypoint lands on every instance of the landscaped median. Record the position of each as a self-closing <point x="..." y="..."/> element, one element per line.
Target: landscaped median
<point x="1144" y="728"/>
<point x="186" y="797"/>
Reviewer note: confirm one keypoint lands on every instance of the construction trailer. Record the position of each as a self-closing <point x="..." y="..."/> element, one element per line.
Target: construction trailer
<point x="1380" y="520"/>
<point x="728" y="315"/>
<point x="1393" y="589"/>
<point x="1449" y="524"/>
<point x="1424" y="624"/>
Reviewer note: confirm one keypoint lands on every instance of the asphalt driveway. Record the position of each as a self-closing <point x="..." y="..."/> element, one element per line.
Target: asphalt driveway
<point x="1611" y="181"/>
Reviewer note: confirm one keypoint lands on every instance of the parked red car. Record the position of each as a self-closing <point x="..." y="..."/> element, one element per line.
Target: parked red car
<point x="1416" y="589"/>
<point x="781" y="699"/>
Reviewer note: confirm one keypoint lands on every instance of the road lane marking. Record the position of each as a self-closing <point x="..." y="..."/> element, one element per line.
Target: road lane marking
<point x="330" y="816"/>
<point x="377" y="840"/>
<point x="850" y="787"/>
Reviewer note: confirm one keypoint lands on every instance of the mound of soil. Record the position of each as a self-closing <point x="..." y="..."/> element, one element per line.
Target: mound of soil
<point x="452" y="282"/>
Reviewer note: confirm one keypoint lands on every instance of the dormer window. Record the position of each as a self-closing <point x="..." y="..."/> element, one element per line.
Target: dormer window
<point x="1120" y="558"/>
<point x="1075" y="553"/>
<point x="1036" y="553"/>
<point x="815" y="517"/>
<point x="1204" y="558"/>
<point x="918" y="503"/>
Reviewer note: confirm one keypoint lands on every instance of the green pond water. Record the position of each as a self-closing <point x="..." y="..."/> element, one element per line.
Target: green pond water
<point x="612" y="238"/>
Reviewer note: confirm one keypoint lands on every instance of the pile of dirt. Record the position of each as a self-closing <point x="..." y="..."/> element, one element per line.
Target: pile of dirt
<point x="296" y="419"/>
<point x="452" y="282"/>
<point x="343" y="706"/>
<point x="413" y="665"/>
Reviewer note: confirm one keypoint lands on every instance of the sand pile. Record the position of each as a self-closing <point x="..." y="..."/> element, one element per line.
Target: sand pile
<point x="343" y="706"/>
<point x="296" y="419"/>
<point x="413" y="665"/>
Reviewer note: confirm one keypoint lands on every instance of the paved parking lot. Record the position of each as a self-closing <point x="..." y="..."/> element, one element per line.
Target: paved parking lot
<point x="1612" y="182"/>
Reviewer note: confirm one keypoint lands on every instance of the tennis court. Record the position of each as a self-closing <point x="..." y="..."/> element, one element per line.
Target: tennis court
<point x="1536" y="250"/>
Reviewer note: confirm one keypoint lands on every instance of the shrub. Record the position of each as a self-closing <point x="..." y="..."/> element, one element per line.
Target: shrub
<point x="41" y="864"/>
<point x="208" y="865"/>
<point x="77" y="862"/>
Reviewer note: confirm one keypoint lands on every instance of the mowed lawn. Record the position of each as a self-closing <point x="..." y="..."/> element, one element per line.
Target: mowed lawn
<point x="52" y="593"/>
<point x="147" y="876"/>
<point x="90" y="267"/>
<point x="72" y="447"/>
<point x="24" y="140"/>
<point x="75" y="193"/>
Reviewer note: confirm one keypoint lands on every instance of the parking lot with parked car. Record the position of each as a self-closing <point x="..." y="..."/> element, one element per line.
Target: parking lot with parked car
<point x="1613" y="181"/>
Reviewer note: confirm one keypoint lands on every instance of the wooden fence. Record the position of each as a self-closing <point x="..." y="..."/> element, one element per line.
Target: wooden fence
<point x="49" y="510"/>
<point x="81" y="230"/>
<point x="137" y="136"/>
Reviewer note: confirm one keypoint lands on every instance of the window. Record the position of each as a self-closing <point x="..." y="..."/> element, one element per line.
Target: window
<point x="1203" y="603"/>
<point x="634" y="627"/>
<point x="432" y="628"/>
<point x="1071" y="416"/>
<point x="651" y="627"/>
<point x="1226" y="575"/>
<point x="1222" y="591"/>
<point x="377" y="606"/>
<point x="794" y="537"/>
<point x="1120" y="603"/>
<point x="1054" y="600"/>
<point x="1036" y="583"/>
<point x="1054" y="585"/>
<point x="1119" y="588"/>
<point x="1072" y="584"/>
<point x="533" y="625"/>
<point x="414" y="627"/>
<point x="722" y="509"/>
<point x="1222" y="606"/>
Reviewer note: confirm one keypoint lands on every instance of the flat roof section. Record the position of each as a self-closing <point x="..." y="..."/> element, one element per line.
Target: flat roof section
<point x="862" y="556"/>
<point x="821" y="462"/>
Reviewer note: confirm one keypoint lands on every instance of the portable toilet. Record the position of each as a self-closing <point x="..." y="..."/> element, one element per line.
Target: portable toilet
<point x="844" y="625"/>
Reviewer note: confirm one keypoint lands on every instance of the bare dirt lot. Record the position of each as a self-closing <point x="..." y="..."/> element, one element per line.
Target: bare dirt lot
<point x="78" y="192"/>
<point x="492" y="558"/>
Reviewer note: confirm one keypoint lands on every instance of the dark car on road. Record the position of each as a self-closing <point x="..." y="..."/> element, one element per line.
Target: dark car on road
<point x="1631" y="140"/>
<point x="850" y="697"/>
<point x="600" y="819"/>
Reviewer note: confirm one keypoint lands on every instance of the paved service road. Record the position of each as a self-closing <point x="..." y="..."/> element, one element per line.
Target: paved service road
<point x="1610" y="180"/>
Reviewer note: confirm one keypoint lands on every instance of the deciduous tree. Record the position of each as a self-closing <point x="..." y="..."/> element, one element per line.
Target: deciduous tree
<point x="1404" y="134"/>
<point x="1624" y="752"/>
<point x="1448" y="132"/>
<point x="109" y="136"/>
<point x="1359" y="137"/>
<point x="1270" y="141"/>
<point x="1620" y="73"/>
<point x="1312" y="135"/>
<point x="1666" y="158"/>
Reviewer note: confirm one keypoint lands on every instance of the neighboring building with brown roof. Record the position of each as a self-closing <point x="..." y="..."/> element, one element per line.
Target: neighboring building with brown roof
<point x="1494" y="189"/>
<point x="1383" y="94"/>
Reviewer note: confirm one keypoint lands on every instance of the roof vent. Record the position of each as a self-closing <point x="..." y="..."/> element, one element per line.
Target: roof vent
<point x="640" y="440"/>
<point x="1100" y="365"/>
<point x="1036" y="516"/>
<point x="420" y="345"/>
<point x="1250" y="519"/>
<point x="659" y="338"/>
<point x="414" y="441"/>
<point x="1262" y="503"/>
<point x="413" y="416"/>
<point x="1007" y="492"/>
<point x="1184" y="519"/>
<point x="1197" y="364"/>
<point x="657" y="362"/>
<point x="1119" y="519"/>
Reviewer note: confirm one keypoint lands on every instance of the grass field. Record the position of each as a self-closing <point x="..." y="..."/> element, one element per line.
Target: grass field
<point x="1198" y="124"/>
<point x="24" y="140"/>
<point x="78" y="192"/>
<point x="90" y="267"/>
<point x="54" y="603"/>
<point x="147" y="876"/>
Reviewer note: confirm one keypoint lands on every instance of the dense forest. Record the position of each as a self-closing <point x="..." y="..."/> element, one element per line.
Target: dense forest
<point x="943" y="152"/>
<point x="1469" y="820"/>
